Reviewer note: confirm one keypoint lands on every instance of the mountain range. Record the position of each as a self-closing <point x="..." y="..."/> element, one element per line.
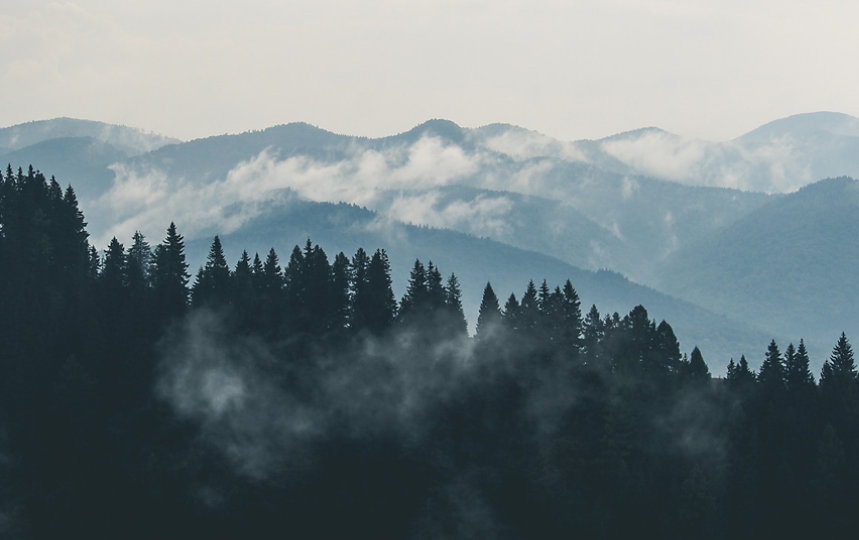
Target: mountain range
<point x="734" y="243"/>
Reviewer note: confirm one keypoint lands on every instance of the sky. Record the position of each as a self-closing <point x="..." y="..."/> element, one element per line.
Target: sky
<point x="571" y="70"/>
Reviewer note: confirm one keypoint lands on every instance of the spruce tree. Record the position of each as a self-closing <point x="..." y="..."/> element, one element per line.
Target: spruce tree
<point x="771" y="375"/>
<point x="381" y="305"/>
<point x="414" y="301"/>
<point x="213" y="280"/>
<point x="697" y="371"/>
<point x="456" y="324"/>
<point x="339" y="293"/>
<point x="529" y="310"/>
<point x="798" y="374"/>
<point x="170" y="276"/>
<point x="839" y="371"/>
<point x="510" y="316"/>
<point x="489" y="315"/>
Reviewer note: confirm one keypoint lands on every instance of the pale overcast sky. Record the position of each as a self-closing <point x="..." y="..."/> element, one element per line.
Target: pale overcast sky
<point x="570" y="69"/>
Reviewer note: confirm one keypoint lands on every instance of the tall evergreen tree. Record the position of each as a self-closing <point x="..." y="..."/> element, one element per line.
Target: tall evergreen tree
<point x="170" y="276"/>
<point x="771" y="375"/>
<point x="593" y="332"/>
<point x="414" y="301"/>
<point x="529" y="310"/>
<point x="213" y="280"/>
<point x="381" y="307"/>
<point x="797" y="372"/>
<point x="511" y="313"/>
<point x="339" y="295"/>
<point x="697" y="371"/>
<point x="839" y="371"/>
<point x="457" y="326"/>
<point x="489" y="315"/>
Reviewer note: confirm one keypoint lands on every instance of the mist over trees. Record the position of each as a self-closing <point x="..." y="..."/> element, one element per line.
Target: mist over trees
<point x="273" y="397"/>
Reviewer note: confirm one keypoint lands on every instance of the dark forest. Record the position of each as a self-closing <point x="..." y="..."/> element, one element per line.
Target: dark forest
<point x="299" y="398"/>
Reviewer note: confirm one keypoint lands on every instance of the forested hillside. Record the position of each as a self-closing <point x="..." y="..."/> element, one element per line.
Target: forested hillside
<point x="293" y="395"/>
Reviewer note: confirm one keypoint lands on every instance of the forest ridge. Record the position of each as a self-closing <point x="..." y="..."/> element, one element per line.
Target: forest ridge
<point x="261" y="400"/>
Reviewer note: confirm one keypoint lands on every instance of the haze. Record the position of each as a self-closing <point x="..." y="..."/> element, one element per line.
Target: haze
<point x="571" y="70"/>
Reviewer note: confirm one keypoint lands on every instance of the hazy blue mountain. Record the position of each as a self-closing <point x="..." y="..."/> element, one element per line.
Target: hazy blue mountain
<point x="788" y="267"/>
<point x="211" y="158"/>
<point x="821" y="145"/>
<point x="781" y="156"/>
<point x="130" y="141"/>
<point x="80" y="161"/>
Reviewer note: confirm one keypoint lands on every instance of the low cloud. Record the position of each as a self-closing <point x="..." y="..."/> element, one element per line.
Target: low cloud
<point x="147" y="199"/>
<point x="659" y="154"/>
<point x="523" y="145"/>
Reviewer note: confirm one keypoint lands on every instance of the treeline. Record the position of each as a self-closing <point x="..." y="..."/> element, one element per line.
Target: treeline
<point x="302" y="399"/>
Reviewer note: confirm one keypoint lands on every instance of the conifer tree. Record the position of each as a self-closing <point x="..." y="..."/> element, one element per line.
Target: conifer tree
<point x="170" y="276"/>
<point x="456" y="323"/>
<point x="666" y="353"/>
<point x="511" y="313"/>
<point x="839" y="371"/>
<point x="489" y="315"/>
<point x="839" y="393"/>
<point x="798" y="374"/>
<point x="272" y="294"/>
<point x="529" y="310"/>
<point x="381" y="305"/>
<point x="213" y="280"/>
<point x="359" y="293"/>
<point x="113" y="270"/>
<point x="414" y="300"/>
<point x="138" y="264"/>
<point x="593" y="333"/>
<point x="339" y="295"/>
<point x="435" y="289"/>
<point x="572" y="316"/>
<point x="771" y="374"/>
<point x="697" y="371"/>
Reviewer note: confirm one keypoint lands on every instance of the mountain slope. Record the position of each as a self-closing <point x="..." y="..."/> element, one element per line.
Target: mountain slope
<point x="790" y="266"/>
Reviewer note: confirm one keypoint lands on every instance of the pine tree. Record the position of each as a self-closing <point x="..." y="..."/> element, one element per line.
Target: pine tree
<point x="213" y="280"/>
<point x="511" y="313"/>
<point x="798" y="374"/>
<point x="381" y="305"/>
<point x="170" y="276"/>
<point x="457" y="326"/>
<point x="529" y="310"/>
<point x="572" y="318"/>
<point x="138" y="264"/>
<point x="666" y="353"/>
<point x="414" y="300"/>
<point x="697" y="371"/>
<point x="435" y="290"/>
<point x="242" y="293"/>
<point x="489" y="315"/>
<point x="772" y="376"/>
<point x="838" y="389"/>
<point x="339" y="296"/>
<point x="593" y="332"/>
<point x="839" y="371"/>
<point x="112" y="278"/>
<point x="271" y="284"/>
<point x="359" y="294"/>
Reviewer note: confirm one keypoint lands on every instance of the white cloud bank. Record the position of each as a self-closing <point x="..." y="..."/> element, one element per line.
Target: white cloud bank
<point x="402" y="184"/>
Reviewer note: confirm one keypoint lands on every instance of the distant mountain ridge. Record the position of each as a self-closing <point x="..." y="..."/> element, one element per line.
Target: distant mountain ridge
<point x="131" y="141"/>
